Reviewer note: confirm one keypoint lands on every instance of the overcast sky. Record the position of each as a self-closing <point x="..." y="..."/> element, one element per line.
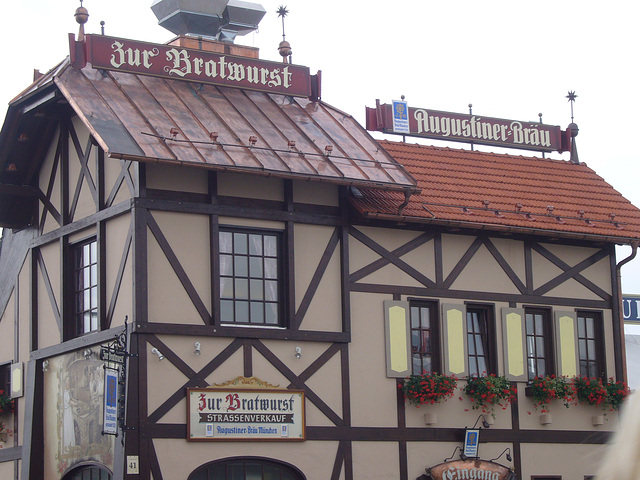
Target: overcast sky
<point x="510" y="59"/>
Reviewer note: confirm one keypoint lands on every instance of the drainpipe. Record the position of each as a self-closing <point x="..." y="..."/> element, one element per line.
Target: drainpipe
<point x="621" y="372"/>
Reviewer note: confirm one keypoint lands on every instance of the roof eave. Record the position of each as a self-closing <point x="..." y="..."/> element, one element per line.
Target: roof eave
<point x="620" y="240"/>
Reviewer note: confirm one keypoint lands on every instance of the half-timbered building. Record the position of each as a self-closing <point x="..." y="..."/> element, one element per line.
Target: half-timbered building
<point x="181" y="246"/>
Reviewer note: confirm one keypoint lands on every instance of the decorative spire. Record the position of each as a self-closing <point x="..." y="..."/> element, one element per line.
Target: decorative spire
<point x="572" y="98"/>
<point x="82" y="16"/>
<point x="574" y="130"/>
<point x="284" y="48"/>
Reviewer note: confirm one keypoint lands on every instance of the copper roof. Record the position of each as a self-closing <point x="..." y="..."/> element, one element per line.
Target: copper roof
<point x="505" y="192"/>
<point x="153" y="119"/>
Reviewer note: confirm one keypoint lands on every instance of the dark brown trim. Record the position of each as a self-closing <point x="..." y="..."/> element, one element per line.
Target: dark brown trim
<point x="83" y="223"/>
<point x="47" y="284"/>
<point x="463" y="262"/>
<point x="296" y="383"/>
<point x="528" y="266"/>
<point x="346" y="383"/>
<point x="619" y="348"/>
<point x="571" y="272"/>
<point x="101" y="239"/>
<point x="94" y="338"/>
<point x="247" y="358"/>
<point x="398" y="252"/>
<point x="348" y="460"/>
<point x="33" y="300"/>
<point x="315" y="280"/>
<point x="390" y="257"/>
<point x="344" y="280"/>
<point x="154" y="464"/>
<point x="402" y="425"/>
<point x="479" y="296"/>
<point x="438" y="259"/>
<point x="505" y="266"/>
<point x="319" y="362"/>
<point x="118" y="281"/>
<point x="197" y="380"/>
<point x="242" y="332"/>
<point x="214" y="248"/>
<point x="140" y="270"/>
<point x="338" y="462"/>
<point x="416" y="434"/>
<point x="515" y="424"/>
<point x="170" y="355"/>
<point x="289" y="279"/>
<point x="64" y="171"/>
<point x="33" y="442"/>
<point x="254" y="211"/>
<point x="122" y="176"/>
<point x="179" y="271"/>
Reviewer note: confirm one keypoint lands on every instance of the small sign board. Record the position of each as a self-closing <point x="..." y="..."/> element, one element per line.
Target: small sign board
<point x="631" y="308"/>
<point x="471" y="440"/>
<point x="224" y="414"/>
<point x="400" y="116"/>
<point x="108" y="354"/>
<point x="111" y="387"/>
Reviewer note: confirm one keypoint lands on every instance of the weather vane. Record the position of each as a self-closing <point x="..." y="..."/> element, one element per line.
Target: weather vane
<point x="284" y="48"/>
<point x="282" y="12"/>
<point x="572" y="98"/>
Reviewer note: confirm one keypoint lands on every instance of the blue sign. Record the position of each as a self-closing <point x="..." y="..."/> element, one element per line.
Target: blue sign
<point x="471" y="440"/>
<point x="400" y="116"/>
<point x="110" y="426"/>
<point x="631" y="308"/>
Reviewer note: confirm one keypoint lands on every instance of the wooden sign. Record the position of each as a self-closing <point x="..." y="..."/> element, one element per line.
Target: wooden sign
<point x="123" y="55"/>
<point x="470" y="470"/>
<point x="225" y="414"/>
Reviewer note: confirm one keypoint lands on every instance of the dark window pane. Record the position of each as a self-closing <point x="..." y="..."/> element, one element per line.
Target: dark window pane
<point x="242" y="312"/>
<point x="226" y="242"/>
<point x="240" y="243"/>
<point x="255" y="245"/>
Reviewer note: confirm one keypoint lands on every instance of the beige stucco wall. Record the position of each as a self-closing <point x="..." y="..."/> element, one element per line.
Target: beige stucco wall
<point x="316" y="193"/>
<point x="314" y="458"/>
<point x="189" y="238"/>
<point x="116" y="234"/>
<point x="177" y="178"/>
<point x="250" y="186"/>
<point x="46" y="171"/>
<point x="86" y="203"/>
<point x="48" y="331"/>
<point x="572" y="462"/>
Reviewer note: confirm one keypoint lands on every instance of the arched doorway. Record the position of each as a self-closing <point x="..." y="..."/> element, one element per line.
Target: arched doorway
<point x="88" y="472"/>
<point x="246" y="468"/>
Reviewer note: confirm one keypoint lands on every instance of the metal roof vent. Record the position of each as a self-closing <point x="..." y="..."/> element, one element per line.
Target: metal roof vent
<point x="217" y="19"/>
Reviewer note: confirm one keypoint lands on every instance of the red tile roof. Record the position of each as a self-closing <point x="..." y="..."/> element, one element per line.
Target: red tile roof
<point x="505" y="193"/>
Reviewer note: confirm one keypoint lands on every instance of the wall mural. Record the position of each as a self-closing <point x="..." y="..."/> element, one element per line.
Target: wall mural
<point x="77" y="386"/>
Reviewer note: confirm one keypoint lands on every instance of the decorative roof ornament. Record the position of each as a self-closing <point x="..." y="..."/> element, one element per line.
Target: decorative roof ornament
<point x="82" y="16"/>
<point x="284" y="48"/>
<point x="574" y="129"/>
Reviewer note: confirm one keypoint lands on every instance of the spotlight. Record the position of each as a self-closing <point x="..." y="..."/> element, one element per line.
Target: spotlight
<point x="298" y="352"/>
<point x="197" y="350"/>
<point x="157" y="352"/>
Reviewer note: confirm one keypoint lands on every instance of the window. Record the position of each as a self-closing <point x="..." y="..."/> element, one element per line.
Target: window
<point x="539" y="342"/>
<point x="85" y="288"/>
<point x="425" y="352"/>
<point x="246" y="469"/>
<point x="5" y="379"/>
<point x="590" y="347"/>
<point x="480" y="333"/>
<point x="251" y="286"/>
<point x="88" y="473"/>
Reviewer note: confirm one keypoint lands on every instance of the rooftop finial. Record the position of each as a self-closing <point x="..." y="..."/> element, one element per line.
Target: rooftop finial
<point x="82" y="16"/>
<point x="572" y="98"/>
<point x="284" y="48"/>
<point x="574" y="130"/>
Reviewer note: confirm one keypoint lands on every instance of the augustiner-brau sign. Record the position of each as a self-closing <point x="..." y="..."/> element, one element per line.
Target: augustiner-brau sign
<point x="471" y="469"/>
<point x="400" y="119"/>
<point x="225" y="414"/>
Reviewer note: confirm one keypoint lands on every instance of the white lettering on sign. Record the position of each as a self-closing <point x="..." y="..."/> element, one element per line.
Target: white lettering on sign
<point x="453" y="473"/>
<point x="131" y="56"/>
<point x="476" y="128"/>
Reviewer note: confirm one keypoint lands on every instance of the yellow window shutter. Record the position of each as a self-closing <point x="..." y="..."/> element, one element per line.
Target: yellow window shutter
<point x="566" y="334"/>
<point x="513" y="344"/>
<point x="454" y="340"/>
<point x="397" y="332"/>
